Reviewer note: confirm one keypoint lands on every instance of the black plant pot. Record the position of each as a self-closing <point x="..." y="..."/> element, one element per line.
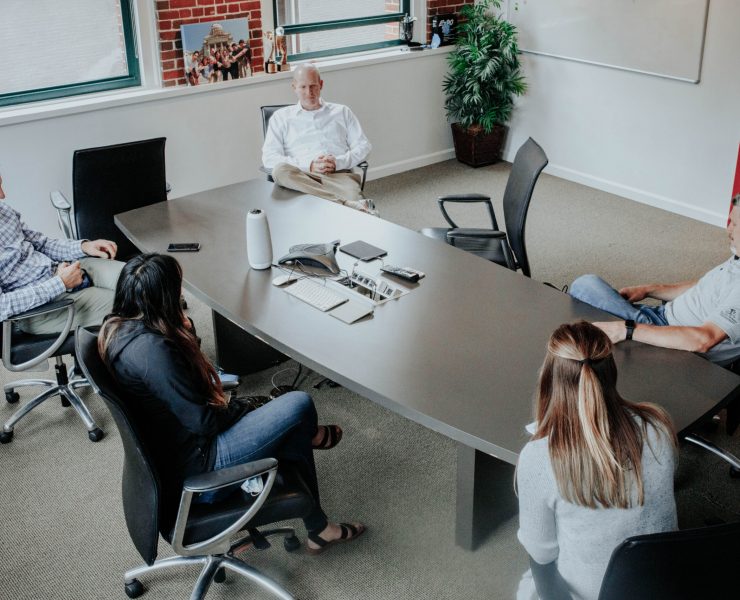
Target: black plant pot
<point x="476" y="148"/>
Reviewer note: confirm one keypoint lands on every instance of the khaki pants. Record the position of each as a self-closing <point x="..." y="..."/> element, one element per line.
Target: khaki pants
<point x="342" y="187"/>
<point x="91" y="304"/>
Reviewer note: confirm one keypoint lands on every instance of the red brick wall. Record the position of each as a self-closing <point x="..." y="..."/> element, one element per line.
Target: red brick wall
<point x="442" y="7"/>
<point x="173" y="13"/>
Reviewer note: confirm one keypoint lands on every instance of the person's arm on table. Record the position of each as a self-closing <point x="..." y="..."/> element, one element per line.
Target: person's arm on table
<point x="701" y="338"/>
<point x="659" y="291"/>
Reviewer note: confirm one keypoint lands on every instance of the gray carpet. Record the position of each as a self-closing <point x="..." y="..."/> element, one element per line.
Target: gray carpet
<point x="63" y="530"/>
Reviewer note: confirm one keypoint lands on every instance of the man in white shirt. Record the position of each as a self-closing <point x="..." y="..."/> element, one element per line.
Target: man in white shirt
<point x="312" y="146"/>
<point x="700" y="316"/>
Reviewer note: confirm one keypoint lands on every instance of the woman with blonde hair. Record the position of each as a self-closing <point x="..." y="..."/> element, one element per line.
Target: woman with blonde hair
<point x="597" y="470"/>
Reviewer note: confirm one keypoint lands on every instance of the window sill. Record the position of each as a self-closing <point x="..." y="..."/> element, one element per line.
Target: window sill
<point x="13" y="115"/>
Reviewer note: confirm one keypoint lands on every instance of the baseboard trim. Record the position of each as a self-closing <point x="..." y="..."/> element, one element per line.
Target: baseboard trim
<point x="408" y="164"/>
<point x="638" y="195"/>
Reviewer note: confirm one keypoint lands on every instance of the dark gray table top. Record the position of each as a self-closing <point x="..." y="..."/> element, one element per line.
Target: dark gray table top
<point x="458" y="354"/>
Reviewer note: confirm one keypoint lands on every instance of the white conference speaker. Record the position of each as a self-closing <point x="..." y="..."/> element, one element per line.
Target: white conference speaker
<point x="259" y="243"/>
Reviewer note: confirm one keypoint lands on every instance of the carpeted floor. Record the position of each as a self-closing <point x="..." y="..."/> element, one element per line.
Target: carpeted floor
<point x="63" y="533"/>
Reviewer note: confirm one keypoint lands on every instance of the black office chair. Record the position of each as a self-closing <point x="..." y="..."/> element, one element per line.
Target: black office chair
<point x="23" y="351"/>
<point x="111" y="180"/>
<point x="267" y="112"/>
<point x="492" y="244"/>
<point x="677" y="565"/>
<point x="199" y="533"/>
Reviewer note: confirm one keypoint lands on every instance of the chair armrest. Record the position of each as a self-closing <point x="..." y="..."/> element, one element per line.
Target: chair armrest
<point x="64" y="214"/>
<point x="467" y="198"/>
<point x="43" y="309"/>
<point x="208" y="482"/>
<point x="490" y="234"/>
<point x="463" y="198"/>
<point x="363" y="165"/>
<point x="66" y="303"/>
<point x="219" y="543"/>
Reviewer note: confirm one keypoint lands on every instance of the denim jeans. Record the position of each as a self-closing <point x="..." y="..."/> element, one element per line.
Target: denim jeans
<point x="593" y="290"/>
<point x="282" y="429"/>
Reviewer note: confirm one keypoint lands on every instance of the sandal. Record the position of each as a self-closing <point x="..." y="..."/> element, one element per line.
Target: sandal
<point x="350" y="532"/>
<point x="331" y="437"/>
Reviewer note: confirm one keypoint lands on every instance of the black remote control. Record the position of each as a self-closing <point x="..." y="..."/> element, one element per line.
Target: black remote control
<point x="407" y="274"/>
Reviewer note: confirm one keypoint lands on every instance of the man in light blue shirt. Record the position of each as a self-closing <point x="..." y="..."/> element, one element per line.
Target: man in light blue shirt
<point x="313" y="145"/>
<point x="35" y="269"/>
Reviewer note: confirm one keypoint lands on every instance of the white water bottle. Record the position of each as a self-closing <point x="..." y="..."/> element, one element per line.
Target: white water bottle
<point x="259" y="243"/>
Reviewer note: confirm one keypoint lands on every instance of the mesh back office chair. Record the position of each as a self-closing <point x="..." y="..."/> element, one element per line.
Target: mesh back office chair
<point x="267" y="112"/>
<point x="111" y="180"/>
<point x="676" y="565"/>
<point x="23" y="351"/>
<point x="503" y="248"/>
<point x="198" y="533"/>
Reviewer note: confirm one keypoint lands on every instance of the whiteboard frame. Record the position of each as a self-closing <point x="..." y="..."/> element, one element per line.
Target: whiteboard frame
<point x="619" y="67"/>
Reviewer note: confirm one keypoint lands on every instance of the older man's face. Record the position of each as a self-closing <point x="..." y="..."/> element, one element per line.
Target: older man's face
<point x="307" y="86"/>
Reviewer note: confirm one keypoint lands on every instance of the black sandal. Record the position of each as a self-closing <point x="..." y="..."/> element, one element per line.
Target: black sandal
<point x="332" y="436"/>
<point x="350" y="532"/>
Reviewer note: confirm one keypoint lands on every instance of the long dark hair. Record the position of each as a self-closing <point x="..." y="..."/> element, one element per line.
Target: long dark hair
<point x="595" y="443"/>
<point x="148" y="290"/>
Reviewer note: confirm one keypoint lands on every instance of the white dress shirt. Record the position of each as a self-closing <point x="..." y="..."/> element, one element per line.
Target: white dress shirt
<point x="297" y="136"/>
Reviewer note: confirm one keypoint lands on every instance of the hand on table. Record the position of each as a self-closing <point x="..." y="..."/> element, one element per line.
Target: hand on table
<point x="100" y="248"/>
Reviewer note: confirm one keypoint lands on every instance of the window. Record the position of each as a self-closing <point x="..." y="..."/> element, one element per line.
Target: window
<point x="325" y="27"/>
<point x="52" y="49"/>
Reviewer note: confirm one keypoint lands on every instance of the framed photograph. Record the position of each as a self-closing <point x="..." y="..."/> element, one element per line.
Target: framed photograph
<point x="446" y="29"/>
<point x="216" y="51"/>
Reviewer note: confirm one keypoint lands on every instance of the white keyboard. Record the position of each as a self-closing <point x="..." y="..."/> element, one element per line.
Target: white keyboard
<point x="316" y="294"/>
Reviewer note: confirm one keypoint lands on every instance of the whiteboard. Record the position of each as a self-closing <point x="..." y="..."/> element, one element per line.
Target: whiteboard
<point x="656" y="37"/>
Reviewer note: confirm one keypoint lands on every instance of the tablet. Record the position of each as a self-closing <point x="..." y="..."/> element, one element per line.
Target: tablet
<point x="362" y="250"/>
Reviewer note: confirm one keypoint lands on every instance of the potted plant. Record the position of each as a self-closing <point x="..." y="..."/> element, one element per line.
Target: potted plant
<point x="484" y="77"/>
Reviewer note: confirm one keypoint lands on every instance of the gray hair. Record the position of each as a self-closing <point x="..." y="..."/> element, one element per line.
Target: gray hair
<point x="306" y="67"/>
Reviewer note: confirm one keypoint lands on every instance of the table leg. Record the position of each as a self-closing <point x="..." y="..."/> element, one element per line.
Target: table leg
<point x="485" y="496"/>
<point x="239" y="352"/>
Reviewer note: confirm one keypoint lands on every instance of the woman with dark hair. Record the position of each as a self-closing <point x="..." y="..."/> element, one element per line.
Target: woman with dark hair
<point x="597" y="470"/>
<point x="187" y="422"/>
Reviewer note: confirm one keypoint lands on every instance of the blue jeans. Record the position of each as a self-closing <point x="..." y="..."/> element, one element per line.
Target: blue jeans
<point x="282" y="429"/>
<point x="593" y="290"/>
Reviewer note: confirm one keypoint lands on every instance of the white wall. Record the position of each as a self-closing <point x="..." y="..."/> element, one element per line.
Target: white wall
<point x="215" y="138"/>
<point x="662" y="142"/>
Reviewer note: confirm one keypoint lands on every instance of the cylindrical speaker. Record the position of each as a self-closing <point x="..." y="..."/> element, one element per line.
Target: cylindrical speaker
<point x="259" y="243"/>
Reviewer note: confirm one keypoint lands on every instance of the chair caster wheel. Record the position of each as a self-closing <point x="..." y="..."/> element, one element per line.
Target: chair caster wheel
<point x="5" y="437"/>
<point x="220" y="575"/>
<point x="734" y="473"/>
<point x="96" y="434"/>
<point x="291" y="543"/>
<point x="134" y="589"/>
<point x="12" y="397"/>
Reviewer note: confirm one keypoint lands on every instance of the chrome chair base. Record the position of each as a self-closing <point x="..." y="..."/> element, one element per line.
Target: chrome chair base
<point x="64" y="386"/>
<point x="214" y="566"/>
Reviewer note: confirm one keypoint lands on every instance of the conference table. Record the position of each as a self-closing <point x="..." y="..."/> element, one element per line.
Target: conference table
<point x="459" y="353"/>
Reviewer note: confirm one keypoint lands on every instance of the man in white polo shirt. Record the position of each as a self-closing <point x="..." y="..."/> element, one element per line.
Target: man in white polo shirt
<point x="313" y="145"/>
<point x="699" y="316"/>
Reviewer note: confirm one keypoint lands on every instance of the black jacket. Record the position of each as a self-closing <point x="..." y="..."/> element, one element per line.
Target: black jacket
<point x="176" y="423"/>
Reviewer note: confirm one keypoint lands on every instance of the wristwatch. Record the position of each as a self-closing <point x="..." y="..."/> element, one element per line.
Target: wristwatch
<point x="629" y="324"/>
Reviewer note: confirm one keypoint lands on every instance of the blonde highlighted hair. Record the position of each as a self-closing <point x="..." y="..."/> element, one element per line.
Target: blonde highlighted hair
<point x="595" y="437"/>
